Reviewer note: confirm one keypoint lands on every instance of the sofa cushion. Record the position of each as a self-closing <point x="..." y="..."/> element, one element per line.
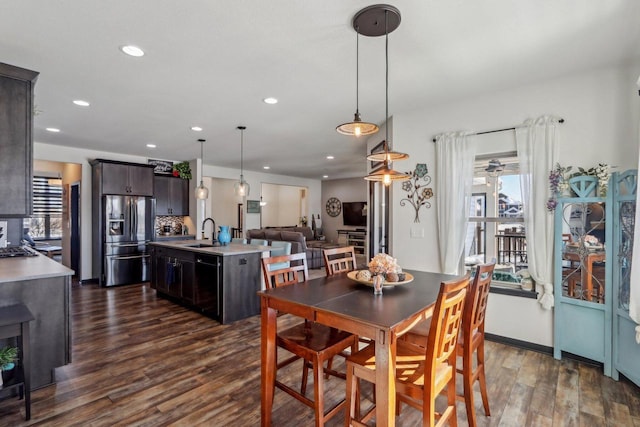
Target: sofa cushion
<point x="294" y="236"/>
<point x="272" y="235"/>
<point x="255" y="234"/>
<point x="307" y="232"/>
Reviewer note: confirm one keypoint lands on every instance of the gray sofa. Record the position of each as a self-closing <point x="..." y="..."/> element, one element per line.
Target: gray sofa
<point x="301" y="239"/>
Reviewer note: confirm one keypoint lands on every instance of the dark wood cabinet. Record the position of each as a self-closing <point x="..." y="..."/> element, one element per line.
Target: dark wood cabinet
<point x="174" y="273"/>
<point x="16" y="141"/>
<point x="222" y="287"/>
<point x="125" y="179"/>
<point x="172" y="195"/>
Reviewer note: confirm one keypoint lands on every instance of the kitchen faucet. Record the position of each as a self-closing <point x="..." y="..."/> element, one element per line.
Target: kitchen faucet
<point x="213" y="231"/>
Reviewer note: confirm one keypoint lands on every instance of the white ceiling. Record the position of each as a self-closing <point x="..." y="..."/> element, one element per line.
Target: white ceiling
<point x="210" y="63"/>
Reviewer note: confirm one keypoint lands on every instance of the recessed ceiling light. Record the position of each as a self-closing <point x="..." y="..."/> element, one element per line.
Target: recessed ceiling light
<point x="330" y="157"/>
<point x="132" y="50"/>
<point x="325" y="176"/>
<point x="266" y="167"/>
<point x="54" y="130"/>
<point x="151" y="145"/>
<point x="81" y="103"/>
<point x="196" y="128"/>
<point x="270" y="100"/>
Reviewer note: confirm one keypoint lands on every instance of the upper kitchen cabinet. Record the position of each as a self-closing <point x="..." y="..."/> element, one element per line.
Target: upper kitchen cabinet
<point x="125" y="179"/>
<point x="172" y="195"/>
<point x="16" y="141"/>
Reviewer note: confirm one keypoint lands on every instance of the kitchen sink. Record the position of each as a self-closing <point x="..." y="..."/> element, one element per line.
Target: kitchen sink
<point x="200" y="245"/>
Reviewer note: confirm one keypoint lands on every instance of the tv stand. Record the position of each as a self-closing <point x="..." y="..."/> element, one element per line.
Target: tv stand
<point x="356" y="238"/>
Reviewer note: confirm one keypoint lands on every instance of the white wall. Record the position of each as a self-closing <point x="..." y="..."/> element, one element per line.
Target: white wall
<point x="601" y="110"/>
<point x="82" y="156"/>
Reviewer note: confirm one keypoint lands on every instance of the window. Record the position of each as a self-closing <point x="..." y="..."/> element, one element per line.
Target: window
<point x="496" y="221"/>
<point x="46" y="222"/>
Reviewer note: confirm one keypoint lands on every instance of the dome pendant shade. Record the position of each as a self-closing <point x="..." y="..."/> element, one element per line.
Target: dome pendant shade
<point x="357" y="127"/>
<point x="389" y="156"/>
<point x="241" y="187"/>
<point x="201" y="192"/>
<point x="386" y="175"/>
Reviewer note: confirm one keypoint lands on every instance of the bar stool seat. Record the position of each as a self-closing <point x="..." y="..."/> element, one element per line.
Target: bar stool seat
<point x="14" y="322"/>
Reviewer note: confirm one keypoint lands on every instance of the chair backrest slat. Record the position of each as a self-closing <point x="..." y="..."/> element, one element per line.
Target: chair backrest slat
<point x="339" y="260"/>
<point x="446" y="323"/>
<point x="476" y="304"/>
<point x="288" y="275"/>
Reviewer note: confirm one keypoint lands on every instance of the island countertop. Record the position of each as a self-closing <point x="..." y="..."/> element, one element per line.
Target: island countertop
<point x="30" y="268"/>
<point x="205" y="247"/>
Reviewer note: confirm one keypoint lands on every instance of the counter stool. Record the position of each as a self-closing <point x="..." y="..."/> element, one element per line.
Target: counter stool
<point x="14" y="322"/>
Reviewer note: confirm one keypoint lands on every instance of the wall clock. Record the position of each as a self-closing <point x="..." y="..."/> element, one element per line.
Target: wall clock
<point x="334" y="207"/>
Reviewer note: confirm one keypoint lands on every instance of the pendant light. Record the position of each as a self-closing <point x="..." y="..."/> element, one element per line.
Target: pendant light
<point x="357" y="127"/>
<point x="367" y="23"/>
<point x="241" y="187"/>
<point x="202" y="192"/>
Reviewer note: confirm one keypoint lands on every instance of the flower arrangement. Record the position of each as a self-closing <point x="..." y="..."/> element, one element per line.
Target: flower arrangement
<point x="559" y="181"/>
<point x="558" y="184"/>
<point x="182" y="169"/>
<point x="303" y="221"/>
<point x="383" y="264"/>
<point x="418" y="192"/>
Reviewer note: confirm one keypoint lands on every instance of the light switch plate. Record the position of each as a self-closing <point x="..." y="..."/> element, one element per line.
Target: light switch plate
<point x="417" y="232"/>
<point x="3" y="234"/>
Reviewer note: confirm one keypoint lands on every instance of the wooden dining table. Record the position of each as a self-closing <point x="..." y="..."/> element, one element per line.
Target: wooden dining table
<point x="340" y="302"/>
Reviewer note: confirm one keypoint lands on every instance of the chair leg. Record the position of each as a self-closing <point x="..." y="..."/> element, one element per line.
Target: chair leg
<point x="305" y="376"/>
<point x="451" y="401"/>
<point x="467" y="380"/>
<point x="482" y="379"/>
<point x="329" y="366"/>
<point x="350" y="400"/>
<point x="318" y="387"/>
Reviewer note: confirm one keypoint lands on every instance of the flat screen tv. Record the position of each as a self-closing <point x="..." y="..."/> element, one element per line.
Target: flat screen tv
<point x="353" y="214"/>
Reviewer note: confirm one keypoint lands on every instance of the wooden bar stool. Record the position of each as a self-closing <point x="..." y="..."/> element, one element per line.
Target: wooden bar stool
<point x="14" y="322"/>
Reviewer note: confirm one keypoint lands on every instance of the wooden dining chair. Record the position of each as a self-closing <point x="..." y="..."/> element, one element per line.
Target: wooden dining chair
<point x="339" y="260"/>
<point x="421" y="372"/>
<point x="310" y="341"/>
<point x="470" y="342"/>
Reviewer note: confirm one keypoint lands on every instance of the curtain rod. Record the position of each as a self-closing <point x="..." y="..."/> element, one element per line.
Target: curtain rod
<point x="497" y="130"/>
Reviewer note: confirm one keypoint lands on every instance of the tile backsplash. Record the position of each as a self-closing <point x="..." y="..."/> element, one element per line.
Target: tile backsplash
<point x="175" y="222"/>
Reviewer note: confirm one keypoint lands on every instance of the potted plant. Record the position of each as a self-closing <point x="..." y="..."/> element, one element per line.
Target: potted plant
<point x="182" y="170"/>
<point x="8" y="355"/>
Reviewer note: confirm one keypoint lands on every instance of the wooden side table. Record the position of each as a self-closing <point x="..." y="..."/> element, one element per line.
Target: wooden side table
<point x="14" y="322"/>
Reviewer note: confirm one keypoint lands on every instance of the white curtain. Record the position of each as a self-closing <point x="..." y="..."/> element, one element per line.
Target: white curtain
<point x="537" y="155"/>
<point x="634" y="297"/>
<point x="454" y="161"/>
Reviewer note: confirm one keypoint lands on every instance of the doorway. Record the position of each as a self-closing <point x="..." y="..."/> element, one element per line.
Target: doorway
<point x="74" y="228"/>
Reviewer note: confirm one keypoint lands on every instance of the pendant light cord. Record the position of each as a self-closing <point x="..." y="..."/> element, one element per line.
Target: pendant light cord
<point x="357" y="71"/>
<point x="386" y="84"/>
<point x="242" y="156"/>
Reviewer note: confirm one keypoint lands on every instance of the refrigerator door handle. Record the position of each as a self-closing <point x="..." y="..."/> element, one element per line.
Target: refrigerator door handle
<point x="123" y="245"/>
<point x="130" y="257"/>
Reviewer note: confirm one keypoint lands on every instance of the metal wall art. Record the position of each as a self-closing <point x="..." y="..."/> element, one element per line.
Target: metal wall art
<point x="418" y="194"/>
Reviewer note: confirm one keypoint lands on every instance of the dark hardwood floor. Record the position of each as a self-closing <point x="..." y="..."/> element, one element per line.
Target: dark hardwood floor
<point x="142" y="360"/>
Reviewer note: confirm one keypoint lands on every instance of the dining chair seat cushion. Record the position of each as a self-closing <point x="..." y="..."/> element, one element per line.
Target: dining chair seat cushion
<point x="410" y="364"/>
<point x="308" y="338"/>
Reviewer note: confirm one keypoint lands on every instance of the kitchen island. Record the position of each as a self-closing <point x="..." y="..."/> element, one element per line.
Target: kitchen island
<point x="219" y="281"/>
<point x="44" y="287"/>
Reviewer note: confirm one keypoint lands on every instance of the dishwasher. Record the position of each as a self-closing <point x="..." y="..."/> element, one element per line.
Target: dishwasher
<point x="207" y="290"/>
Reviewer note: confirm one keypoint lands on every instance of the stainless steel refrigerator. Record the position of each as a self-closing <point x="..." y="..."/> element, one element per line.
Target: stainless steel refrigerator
<point x="128" y="227"/>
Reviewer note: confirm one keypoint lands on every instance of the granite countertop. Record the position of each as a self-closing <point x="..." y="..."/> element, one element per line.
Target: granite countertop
<point x="174" y="236"/>
<point x="207" y="248"/>
<point x="29" y="268"/>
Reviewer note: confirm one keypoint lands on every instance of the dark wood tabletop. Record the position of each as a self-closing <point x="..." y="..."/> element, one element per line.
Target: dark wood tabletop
<point x="340" y="302"/>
